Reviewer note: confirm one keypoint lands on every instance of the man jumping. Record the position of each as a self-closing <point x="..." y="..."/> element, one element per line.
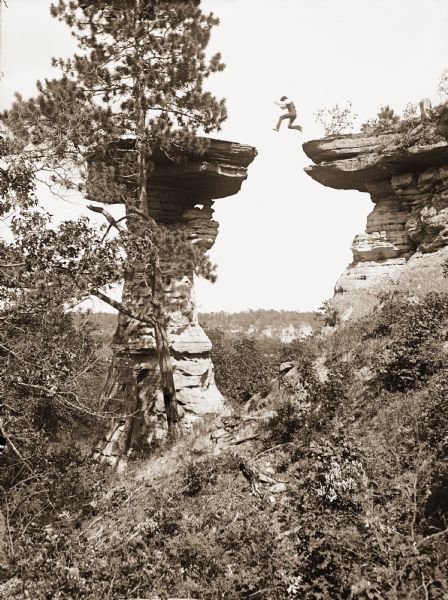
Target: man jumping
<point x="285" y="102"/>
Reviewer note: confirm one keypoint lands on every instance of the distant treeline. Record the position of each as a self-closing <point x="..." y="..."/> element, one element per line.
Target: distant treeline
<point x="258" y="321"/>
<point x="105" y="322"/>
<point x="252" y="322"/>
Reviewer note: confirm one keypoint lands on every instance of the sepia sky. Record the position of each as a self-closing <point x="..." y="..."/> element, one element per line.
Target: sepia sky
<point x="284" y="239"/>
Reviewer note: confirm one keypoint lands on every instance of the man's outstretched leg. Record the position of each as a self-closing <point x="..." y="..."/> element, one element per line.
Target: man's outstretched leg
<point x="279" y="122"/>
<point x="291" y="126"/>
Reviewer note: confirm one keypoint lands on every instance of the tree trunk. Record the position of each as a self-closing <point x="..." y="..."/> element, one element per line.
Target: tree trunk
<point x="167" y="379"/>
<point x="145" y="296"/>
<point x="135" y="386"/>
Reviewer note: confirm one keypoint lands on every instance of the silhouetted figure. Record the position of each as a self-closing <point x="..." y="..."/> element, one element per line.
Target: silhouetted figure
<point x="287" y="104"/>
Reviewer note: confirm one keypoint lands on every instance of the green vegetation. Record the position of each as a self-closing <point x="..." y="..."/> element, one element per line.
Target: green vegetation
<point x="337" y="119"/>
<point x="355" y="435"/>
<point x="244" y="366"/>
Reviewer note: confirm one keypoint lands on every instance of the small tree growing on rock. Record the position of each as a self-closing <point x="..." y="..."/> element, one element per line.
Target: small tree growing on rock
<point x="385" y="120"/>
<point x="337" y="119"/>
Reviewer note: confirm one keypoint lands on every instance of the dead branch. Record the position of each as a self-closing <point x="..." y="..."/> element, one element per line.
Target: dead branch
<point x="119" y="306"/>
<point x="106" y="214"/>
<point x="16" y="451"/>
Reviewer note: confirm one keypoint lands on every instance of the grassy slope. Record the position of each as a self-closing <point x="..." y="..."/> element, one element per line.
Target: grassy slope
<point x="360" y="447"/>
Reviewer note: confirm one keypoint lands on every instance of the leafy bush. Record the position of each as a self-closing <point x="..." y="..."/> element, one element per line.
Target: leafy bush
<point x="287" y="420"/>
<point x="337" y="119"/>
<point x="414" y="331"/>
<point x="199" y="475"/>
<point x="51" y="378"/>
<point x="243" y="367"/>
<point x="410" y="111"/>
<point x="311" y="401"/>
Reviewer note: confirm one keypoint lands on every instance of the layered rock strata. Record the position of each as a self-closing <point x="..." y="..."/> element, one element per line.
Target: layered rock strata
<point x="181" y="196"/>
<point x="405" y="243"/>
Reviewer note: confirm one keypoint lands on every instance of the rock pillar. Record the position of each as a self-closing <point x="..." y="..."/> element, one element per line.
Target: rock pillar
<point x="181" y="196"/>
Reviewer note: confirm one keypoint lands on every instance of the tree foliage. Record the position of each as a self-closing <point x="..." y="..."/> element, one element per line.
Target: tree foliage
<point x="336" y="120"/>
<point x="385" y="120"/>
<point x="410" y="357"/>
<point x="42" y="272"/>
<point x="244" y="366"/>
<point x="138" y="76"/>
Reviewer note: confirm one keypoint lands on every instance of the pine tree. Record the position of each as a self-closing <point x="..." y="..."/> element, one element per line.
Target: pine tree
<point x="138" y="77"/>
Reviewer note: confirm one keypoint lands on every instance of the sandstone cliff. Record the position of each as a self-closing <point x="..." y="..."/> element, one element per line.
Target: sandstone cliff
<point x="405" y="171"/>
<point x="181" y="195"/>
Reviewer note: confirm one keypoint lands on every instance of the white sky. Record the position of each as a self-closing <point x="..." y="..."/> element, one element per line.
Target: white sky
<point x="284" y="239"/>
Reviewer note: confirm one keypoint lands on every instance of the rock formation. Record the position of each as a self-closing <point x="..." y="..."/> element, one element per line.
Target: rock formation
<point x="405" y="243"/>
<point x="181" y="196"/>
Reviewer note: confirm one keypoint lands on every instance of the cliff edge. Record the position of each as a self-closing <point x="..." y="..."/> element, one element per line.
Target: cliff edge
<point x="405" y="171"/>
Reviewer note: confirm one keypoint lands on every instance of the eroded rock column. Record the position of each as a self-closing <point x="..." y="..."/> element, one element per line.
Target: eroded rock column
<point x="181" y="197"/>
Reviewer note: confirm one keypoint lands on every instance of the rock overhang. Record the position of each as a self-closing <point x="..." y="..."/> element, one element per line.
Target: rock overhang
<point x="217" y="172"/>
<point x="201" y="179"/>
<point x="405" y="243"/>
<point x="352" y="162"/>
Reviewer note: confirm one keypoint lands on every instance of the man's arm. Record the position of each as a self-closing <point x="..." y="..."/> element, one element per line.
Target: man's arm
<point x="283" y="104"/>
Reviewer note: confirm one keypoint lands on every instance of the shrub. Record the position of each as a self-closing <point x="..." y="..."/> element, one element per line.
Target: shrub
<point x="414" y="333"/>
<point x="337" y="119"/>
<point x="410" y="111"/>
<point x="308" y="404"/>
<point x="286" y="421"/>
<point x="242" y="366"/>
<point x="385" y="120"/>
<point x="50" y="380"/>
<point x="198" y="476"/>
<point x="299" y="351"/>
